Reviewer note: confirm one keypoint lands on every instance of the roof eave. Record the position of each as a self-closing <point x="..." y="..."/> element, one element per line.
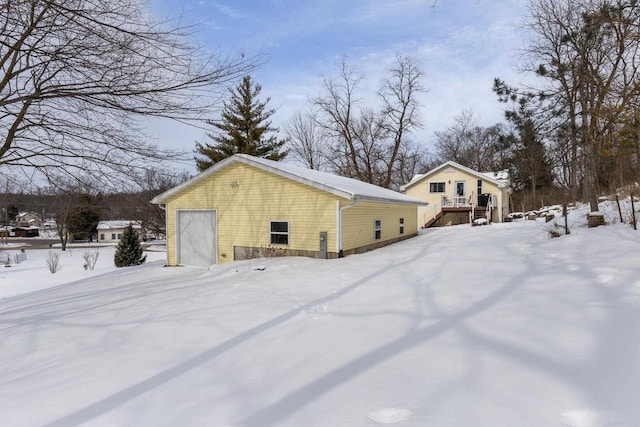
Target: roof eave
<point x="163" y="197"/>
<point x="391" y="201"/>
<point x="451" y="163"/>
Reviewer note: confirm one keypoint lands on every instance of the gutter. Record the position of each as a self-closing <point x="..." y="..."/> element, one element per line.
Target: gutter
<point x="340" y="210"/>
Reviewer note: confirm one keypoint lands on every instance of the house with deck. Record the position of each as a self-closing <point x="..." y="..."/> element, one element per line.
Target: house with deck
<point x="456" y="194"/>
<point x="246" y="207"/>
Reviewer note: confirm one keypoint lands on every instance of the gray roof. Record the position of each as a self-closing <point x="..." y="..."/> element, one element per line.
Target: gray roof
<point x="347" y="188"/>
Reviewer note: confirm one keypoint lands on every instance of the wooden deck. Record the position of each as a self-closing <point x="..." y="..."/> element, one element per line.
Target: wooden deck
<point x="478" y="212"/>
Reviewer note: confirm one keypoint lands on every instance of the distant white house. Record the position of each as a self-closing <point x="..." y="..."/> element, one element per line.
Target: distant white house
<point x="111" y="231"/>
<point x="28" y="219"/>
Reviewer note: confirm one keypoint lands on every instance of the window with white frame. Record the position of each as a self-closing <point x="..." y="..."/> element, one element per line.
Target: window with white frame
<point x="279" y="232"/>
<point x="377" y="229"/>
<point x="436" y="187"/>
<point x="401" y="225"/>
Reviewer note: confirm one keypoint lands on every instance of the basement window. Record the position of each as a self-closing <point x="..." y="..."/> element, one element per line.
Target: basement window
<point x="279" y="232"/>
<point x="377" y="229"/>
<point x="436" y="187"/>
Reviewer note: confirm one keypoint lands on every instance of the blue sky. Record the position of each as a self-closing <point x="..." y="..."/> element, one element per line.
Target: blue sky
<point x="460" y="45"/>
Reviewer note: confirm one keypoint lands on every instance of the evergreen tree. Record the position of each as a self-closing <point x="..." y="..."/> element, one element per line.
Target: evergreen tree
<point x="129" y="251"/>
<point x="82" y="223"/>
<point x="244" y="128"/>
<point x="531" y="167"/>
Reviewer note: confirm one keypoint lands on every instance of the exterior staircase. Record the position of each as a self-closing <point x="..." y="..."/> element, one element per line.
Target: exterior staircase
<point x="433" y="220"/>
<point x="478" y="212"/>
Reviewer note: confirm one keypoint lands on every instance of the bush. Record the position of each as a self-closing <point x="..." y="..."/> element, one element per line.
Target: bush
<point x="53" y="261"/>
<point x="129" y="250"/>
<point x="90" y="259"/>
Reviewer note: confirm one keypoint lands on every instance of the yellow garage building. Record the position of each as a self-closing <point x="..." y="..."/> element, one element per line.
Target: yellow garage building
<point x="247" y="207"/>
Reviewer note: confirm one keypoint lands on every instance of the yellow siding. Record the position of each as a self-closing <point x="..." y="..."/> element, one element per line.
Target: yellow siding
<point x="358" y="223"/>
<point x="449" y="175"/>
<point x="246" y="199"/>
<point x="244" y="211"/>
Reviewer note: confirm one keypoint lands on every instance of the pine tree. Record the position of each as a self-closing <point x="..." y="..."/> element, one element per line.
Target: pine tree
<point x="244" y="128"/>
<point x="129" y="251"/>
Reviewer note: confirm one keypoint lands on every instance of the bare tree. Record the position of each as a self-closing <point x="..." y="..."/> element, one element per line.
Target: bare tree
<point x="400" y="108"/>
<point x="587" y="52"/>
<point x="371" y="137"/>
<point x="64" y="198"/>
<point x="76" y="75"/>
<point x="471" y="145"/>
<point x="337" y="112"/>
<point x="151" y="183"/>
<point x="371" y="144"/>
<point x="306" y="141"/>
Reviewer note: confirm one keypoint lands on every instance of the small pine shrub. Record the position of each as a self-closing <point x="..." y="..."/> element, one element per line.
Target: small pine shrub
<point x="129" y="250"/>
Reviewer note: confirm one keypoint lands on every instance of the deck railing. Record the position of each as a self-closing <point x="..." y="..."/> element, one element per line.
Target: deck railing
<point x="462" y="202"/>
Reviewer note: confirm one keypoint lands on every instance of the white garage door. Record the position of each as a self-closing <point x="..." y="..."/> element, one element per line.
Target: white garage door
<point x="196" y="238"/>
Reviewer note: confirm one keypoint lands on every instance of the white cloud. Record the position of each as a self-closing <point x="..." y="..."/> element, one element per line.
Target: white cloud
<point x="461" y="45"/>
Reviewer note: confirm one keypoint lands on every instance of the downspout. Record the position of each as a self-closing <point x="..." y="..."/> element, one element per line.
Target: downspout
<point x="340" y="210"/>
<point x="163" y="206"/>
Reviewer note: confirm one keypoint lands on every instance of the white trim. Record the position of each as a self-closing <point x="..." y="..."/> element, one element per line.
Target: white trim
<point x="459" y="199"/>
<point x="450" y="163"/>
<point x="288" y="233"/>
<point x="340" y="227"/>
<point x="347" y="188"/>
<point x="177" y="232"/>
<point x="444" y="187"/>
<point x="377" y="226"/>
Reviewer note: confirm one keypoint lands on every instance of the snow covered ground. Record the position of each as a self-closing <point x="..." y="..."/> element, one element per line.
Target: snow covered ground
<point x="496" y="325"/>
<point x="33" y="274"/>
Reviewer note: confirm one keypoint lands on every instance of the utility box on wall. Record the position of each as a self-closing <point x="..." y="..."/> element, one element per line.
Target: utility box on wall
<point x="323" y="245"/>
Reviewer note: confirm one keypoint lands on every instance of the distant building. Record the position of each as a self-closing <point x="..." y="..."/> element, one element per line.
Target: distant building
<point x="111" y="231"/>
<point x="28" y="219"/>
<point x="31" y="231"/>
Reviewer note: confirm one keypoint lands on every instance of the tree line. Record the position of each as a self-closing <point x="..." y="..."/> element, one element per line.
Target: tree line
<point x="572" y="134"/>
<point x="77" y="77"/>
<point x="76" y="206"/>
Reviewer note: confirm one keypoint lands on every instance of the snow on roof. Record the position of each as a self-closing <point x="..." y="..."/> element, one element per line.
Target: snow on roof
<point x="113" y="225"/>
<point x="500" y="182"/>
<point x="415" y="178"/>
<point x="25" y="213"/>
<point x="502" y="175"/>
<point x="347" y="188"/>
